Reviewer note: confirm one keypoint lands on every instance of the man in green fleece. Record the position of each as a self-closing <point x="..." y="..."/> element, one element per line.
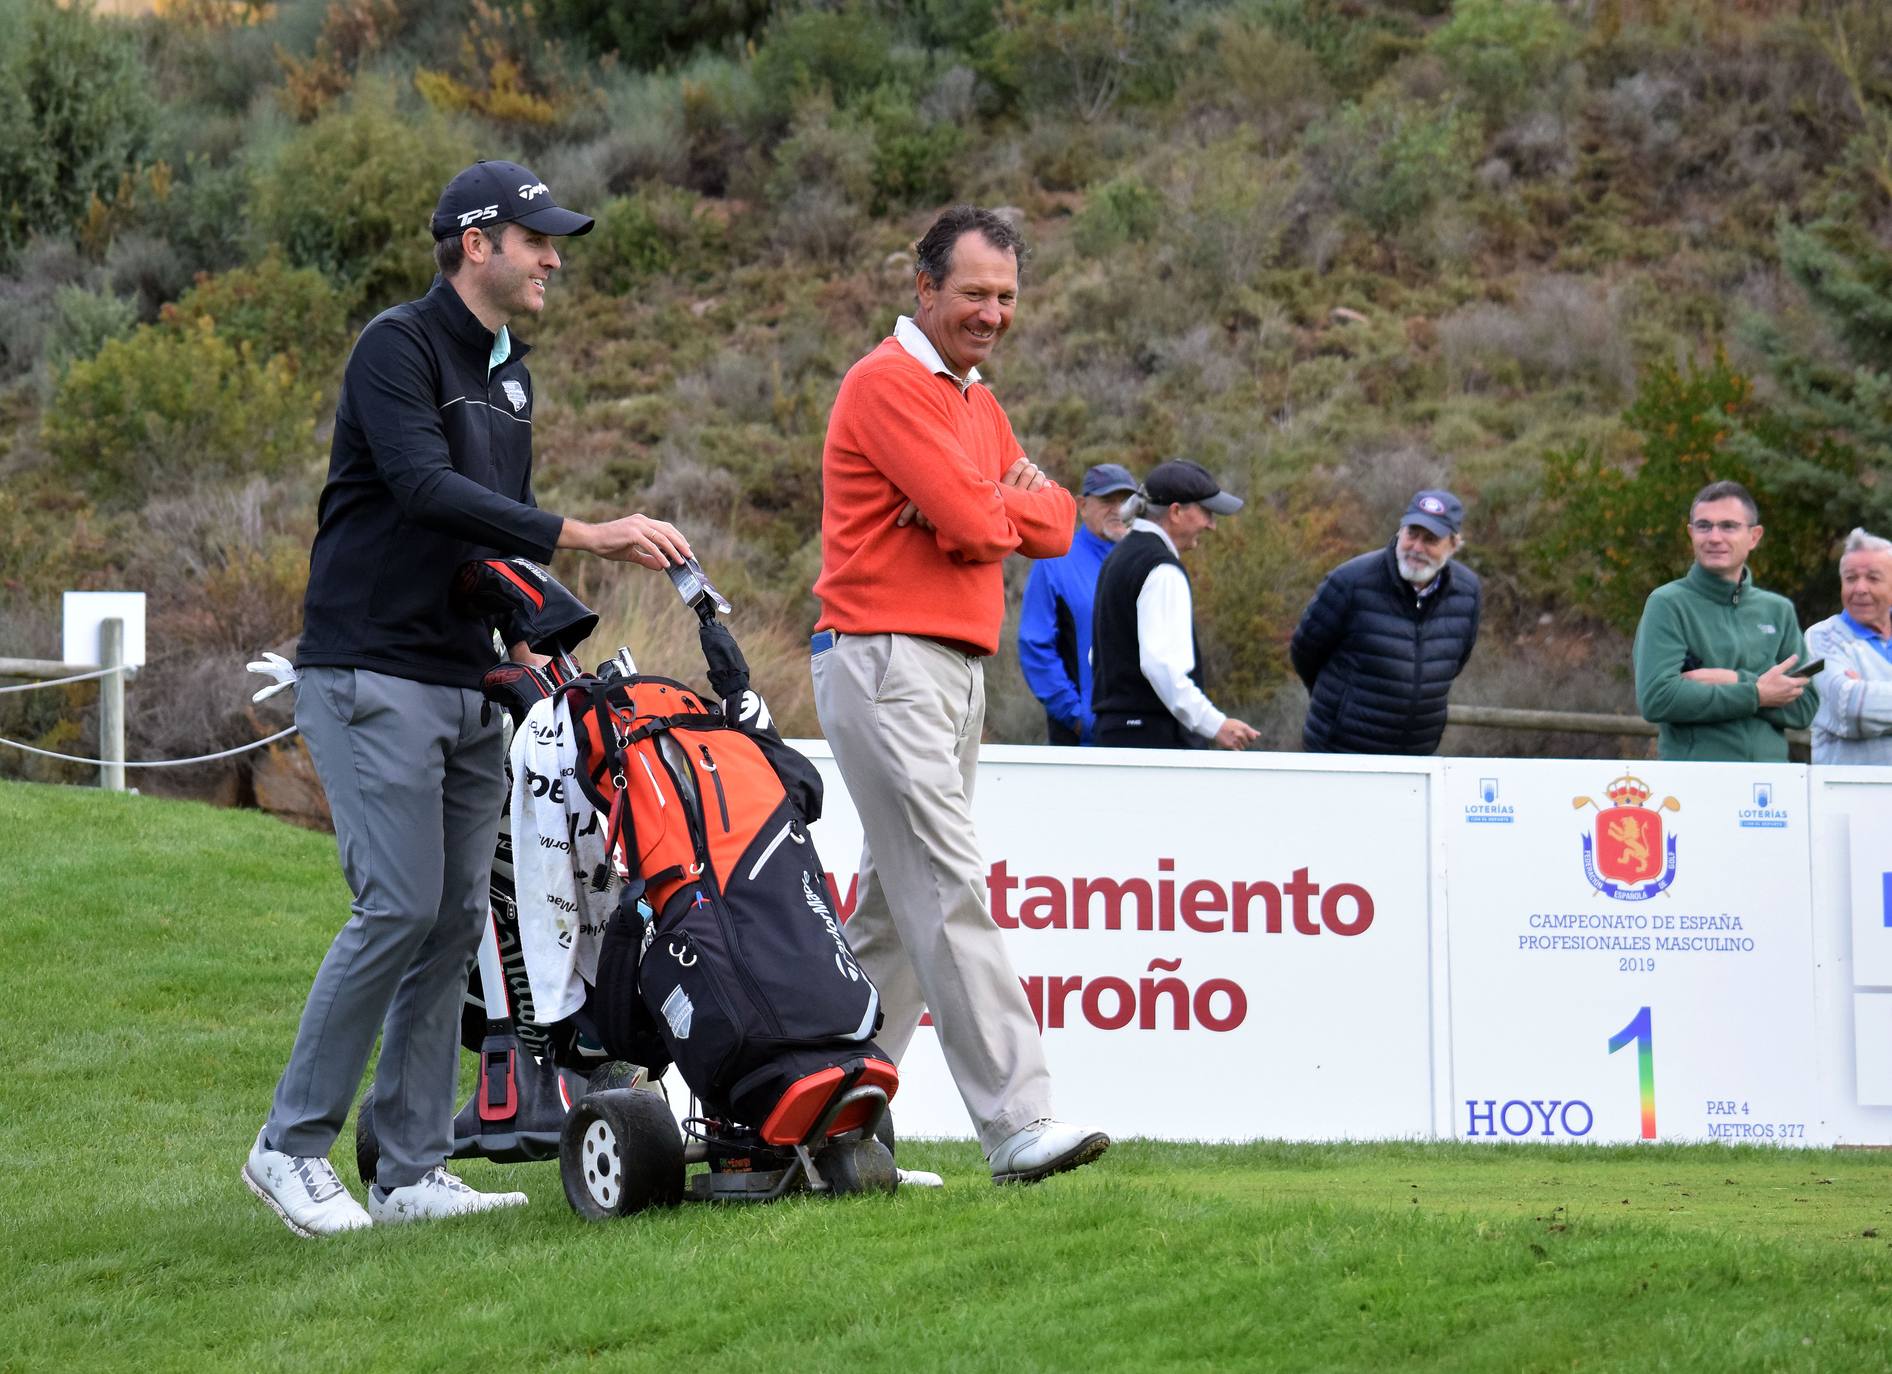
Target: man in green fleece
<point x="1713" y="650"/>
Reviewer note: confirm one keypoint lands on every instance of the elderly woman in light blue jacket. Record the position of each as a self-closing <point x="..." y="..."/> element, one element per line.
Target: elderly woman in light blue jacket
<point x="1854" y="724"/>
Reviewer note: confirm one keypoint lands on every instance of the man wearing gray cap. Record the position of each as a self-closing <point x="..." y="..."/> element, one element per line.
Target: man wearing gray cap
<point x="1385" y="636"/>
<point x="1149" y="685"/>
<point x="431" y="465"/>
<point x="1054" y="624"/>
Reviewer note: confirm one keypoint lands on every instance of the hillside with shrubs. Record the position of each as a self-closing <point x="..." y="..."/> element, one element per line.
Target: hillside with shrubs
<point x="1570" y="259"/>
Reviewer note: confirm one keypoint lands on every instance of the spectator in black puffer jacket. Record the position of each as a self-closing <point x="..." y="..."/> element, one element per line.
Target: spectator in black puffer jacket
<point x="1383" y="638"/>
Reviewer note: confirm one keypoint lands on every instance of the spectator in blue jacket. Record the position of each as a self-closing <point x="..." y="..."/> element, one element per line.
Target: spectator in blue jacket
<point x="1054" y="626"/>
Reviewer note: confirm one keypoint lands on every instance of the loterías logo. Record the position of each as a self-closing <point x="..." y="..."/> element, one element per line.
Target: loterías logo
<point x="1624" y="855"/>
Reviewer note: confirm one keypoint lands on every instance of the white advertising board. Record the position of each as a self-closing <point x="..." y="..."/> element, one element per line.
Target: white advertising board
<point x="1218" y="947"/>
<point x="1852" y="950"/>
<point x="1630" y="951"/>
<point x="82" y="613"/>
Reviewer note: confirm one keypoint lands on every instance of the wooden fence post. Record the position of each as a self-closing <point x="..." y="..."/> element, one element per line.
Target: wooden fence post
<point x="112" y="705"/>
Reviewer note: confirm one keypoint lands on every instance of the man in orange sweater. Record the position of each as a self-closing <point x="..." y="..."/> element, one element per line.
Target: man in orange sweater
<point x="925" y="490"/>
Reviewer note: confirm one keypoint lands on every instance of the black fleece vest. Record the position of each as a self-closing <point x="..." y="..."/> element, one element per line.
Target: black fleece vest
<point x="1118" y="686"/>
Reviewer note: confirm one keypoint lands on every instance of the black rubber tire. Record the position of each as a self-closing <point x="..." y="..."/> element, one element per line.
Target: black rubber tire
<point x="620" y="1153"/>
<point x="857" y="1166"/>
<point x="367" y="1143"/>
<point x="884" y="1131"/>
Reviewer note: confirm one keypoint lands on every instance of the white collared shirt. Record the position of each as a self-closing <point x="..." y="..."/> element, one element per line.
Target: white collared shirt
<point x="1166" y="650"/>
<point x="912" y="338"/>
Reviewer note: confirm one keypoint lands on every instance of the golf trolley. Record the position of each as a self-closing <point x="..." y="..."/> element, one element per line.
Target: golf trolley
<point x="552" y="1091"/>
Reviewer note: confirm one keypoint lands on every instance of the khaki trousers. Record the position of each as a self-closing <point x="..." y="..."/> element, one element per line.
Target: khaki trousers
<point x="903" y="715"/>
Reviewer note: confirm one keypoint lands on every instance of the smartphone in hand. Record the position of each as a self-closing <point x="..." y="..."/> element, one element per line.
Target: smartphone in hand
<point x="1806" y="669"/>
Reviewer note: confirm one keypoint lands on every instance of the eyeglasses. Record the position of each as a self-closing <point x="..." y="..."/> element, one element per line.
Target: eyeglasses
<point x="1718" y="526"/>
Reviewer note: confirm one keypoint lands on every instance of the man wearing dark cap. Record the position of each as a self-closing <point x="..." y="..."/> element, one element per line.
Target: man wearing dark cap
<point x="431" y="465"/>
<point x="1386" y="634"/>
<point x="1054" y="624"/>
<point x="1148" y="683"/>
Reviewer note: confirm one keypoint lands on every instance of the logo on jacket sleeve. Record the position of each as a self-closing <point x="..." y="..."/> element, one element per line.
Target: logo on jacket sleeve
<point x="514" y="393"/>
<point x="1624" y="855"/>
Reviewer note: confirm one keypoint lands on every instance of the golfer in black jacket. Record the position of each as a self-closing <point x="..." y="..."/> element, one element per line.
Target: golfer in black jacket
<point x="431" y="465"/>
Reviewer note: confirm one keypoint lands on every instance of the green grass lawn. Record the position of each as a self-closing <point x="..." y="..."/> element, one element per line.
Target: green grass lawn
<point x="156" y="957"/>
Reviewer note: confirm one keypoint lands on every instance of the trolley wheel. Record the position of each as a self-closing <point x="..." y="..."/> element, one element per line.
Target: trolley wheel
<point x="367" y="1143"/>
<point x="619" y="1153"/>
<point x="884" y="1131"/>
<point x="857" y="1166"/>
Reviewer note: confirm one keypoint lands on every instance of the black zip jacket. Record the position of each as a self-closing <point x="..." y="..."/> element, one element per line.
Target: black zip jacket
<point x="431" y="465"/>
<point x="1378" y="660"/>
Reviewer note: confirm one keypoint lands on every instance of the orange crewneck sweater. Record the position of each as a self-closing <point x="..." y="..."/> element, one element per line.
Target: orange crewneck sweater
<point x="900" y="433"/>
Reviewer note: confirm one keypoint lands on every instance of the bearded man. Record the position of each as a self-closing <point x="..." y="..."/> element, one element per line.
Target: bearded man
<point x="1385" y="636"/>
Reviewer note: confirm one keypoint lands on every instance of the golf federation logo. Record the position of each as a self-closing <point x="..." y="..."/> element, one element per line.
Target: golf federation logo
<point x="1624" y="855"/>
<point x="514" y="393"/>
<point x="1432" y="505"/>
<point x="843" y="956"/>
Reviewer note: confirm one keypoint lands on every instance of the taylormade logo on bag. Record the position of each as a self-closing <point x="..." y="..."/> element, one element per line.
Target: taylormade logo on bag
<point x="843" y="956"/>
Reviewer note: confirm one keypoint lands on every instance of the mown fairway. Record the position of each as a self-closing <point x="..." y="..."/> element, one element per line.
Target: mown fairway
<point x="156" y="957"/>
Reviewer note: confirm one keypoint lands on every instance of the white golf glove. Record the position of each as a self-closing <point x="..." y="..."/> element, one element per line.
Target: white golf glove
<point x="273" y="666"/>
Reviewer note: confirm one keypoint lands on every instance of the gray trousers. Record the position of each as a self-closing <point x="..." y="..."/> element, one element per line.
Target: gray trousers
<point x="903" y="715"/>
<point x="415" y="783"/>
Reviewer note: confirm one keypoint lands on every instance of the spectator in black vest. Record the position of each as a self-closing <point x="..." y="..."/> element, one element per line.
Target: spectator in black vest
<point x="1147" y="689"/>
<point x="1383" y="638"/>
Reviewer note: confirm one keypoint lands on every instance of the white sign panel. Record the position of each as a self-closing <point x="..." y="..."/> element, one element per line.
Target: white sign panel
<point x="1630" y="951"/>
<point x="84" y="612"/>
<point x="1228" y="947"/>
<point x="1852" y="945"/>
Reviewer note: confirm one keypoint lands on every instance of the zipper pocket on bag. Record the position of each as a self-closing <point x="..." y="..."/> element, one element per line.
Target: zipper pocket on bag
<point x="716" y="777"/>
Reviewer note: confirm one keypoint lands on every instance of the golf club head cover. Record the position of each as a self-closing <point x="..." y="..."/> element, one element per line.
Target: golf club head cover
<point x="517" y="687"/>
<point x="523" y="602"/>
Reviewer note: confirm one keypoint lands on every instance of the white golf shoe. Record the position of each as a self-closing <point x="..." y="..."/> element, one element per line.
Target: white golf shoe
<point x="437" y="1194"/>
<point x="1044" y="1148"/>
<point x="303" y="1191"/>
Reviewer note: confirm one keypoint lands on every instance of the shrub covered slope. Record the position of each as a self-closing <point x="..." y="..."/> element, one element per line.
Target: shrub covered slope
<point x="1571" y="259"/>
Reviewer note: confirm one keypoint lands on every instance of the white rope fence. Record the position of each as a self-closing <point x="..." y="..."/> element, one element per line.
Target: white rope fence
<point x="62" y="681"/>
<point x="152" y="763"/>
<point x="111" y="718"/>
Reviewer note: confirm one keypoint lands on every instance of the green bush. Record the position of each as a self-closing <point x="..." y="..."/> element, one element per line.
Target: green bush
<point x="649" y="234"/>
<point x="166" y="407"/>
<point x="913" y="160"/>
<point x="1505" y="53"/>
<point x="351" y="194"/>
<point x="653" y="32"/>
<point x="1355" y="44"/>
<point x="1125" y="209"/>
<point x="1083" y="56"/>
<point x="267" y="309"/>
<point x="1391" y="160"/>
<point x="846" y="53"/>
<point x="77" y="112"/>
<point x="1617" y="528"/>
<point x="1247" y="71"/>
<point x="1232" y="213"/>
<point x="82" y="322"/>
